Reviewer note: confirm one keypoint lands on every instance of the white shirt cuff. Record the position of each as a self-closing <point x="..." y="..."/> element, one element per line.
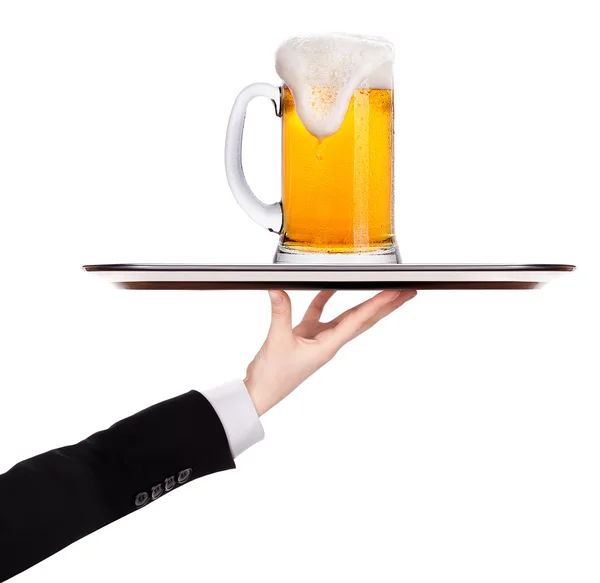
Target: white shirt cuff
<point x="238" y="416"/>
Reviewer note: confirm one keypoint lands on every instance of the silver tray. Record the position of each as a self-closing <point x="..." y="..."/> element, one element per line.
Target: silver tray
<point x="419" y="276"/>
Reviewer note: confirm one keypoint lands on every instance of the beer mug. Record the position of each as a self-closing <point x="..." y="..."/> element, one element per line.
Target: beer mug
<point x="337" y="191"/>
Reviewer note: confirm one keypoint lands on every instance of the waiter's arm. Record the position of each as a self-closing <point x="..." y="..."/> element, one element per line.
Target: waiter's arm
<point x="56" y="498"/>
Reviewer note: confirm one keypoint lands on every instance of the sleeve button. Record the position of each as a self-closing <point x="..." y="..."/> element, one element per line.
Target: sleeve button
<point x="169" y="483"/>
<point x="141" y="499"/>
<point x="157" y="491"/>
<point x="184" y="475"/>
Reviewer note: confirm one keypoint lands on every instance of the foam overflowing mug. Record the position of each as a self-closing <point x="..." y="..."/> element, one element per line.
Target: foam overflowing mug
<point x="336" y="105"/>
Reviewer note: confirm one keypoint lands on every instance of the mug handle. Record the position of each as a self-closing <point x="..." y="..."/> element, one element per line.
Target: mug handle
<point x="270" y="216"/>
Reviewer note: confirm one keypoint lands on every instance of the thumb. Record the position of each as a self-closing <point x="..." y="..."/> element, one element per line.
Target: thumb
<point x="281" y="311"/>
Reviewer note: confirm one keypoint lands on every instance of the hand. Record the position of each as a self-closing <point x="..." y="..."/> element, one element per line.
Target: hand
<point x="290" y="355"/>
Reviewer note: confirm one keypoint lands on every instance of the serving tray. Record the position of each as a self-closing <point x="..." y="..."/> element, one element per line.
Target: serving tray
<point x="420" y="276"/>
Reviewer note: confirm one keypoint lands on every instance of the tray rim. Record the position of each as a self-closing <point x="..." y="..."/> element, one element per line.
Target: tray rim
<point x="334" y="268"/>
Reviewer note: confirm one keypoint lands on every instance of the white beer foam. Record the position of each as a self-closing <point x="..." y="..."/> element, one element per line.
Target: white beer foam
<point x="323" y="71"/>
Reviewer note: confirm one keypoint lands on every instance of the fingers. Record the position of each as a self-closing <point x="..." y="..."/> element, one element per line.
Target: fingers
<point x="386" y="311"/>
<point x="383" y="296"/>
<point x="281" y="311"/>
<point x="367" y="314"/>
<point x="339" y="318"/>
<point x="315" y="310"/>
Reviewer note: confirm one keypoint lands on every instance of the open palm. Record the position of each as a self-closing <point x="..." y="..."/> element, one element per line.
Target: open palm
<point x="290" y="355"/>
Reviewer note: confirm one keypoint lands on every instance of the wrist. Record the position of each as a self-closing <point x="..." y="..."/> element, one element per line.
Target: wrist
<point x="256" y="395"/>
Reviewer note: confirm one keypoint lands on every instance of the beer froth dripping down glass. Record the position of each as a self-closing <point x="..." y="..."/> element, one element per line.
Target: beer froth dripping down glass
<point x="336" y="105"/>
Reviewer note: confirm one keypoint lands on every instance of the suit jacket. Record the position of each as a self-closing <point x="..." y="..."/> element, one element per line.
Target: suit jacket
<point x="51" y="500"/>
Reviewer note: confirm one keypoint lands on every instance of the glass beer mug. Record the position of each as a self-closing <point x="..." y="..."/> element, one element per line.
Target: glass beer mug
<point x="337" y="191"/>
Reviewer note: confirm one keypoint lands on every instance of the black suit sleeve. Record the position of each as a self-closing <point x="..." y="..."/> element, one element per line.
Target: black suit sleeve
<point x="54" y="499"/>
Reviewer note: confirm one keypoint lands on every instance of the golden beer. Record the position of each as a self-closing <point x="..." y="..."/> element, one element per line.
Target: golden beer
<point x="338" y="191"/>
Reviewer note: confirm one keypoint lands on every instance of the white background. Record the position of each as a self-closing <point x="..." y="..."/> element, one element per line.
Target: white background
<point x="457" y="441"/>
